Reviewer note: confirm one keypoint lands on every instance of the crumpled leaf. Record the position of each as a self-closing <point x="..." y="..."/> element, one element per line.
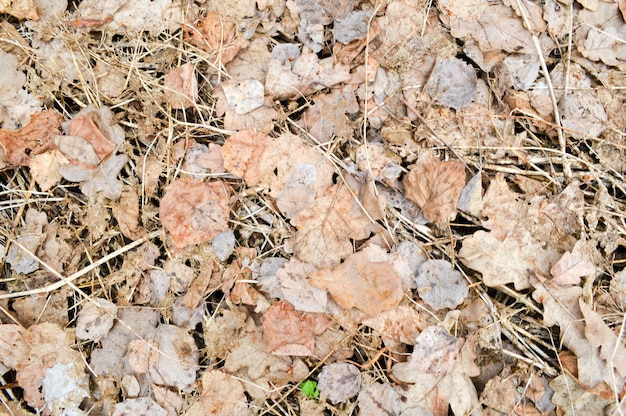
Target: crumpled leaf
<point x="452" y="82"/>
<point x="217" y="35"/>
<point x="574" y="399"/>
<point x="370" y="286"/>
<point x="508" y="261"/>
<point x="173" y="358"/>
<point x="194" y="212"/>
<point x="126" y="213"/>
<point x="32" y="139"/>
<point x="435" y="186"/>
<point x="222" y="394"/>
<point x="98" y="128"/>
<point x="338" y="382"/>
<point x="440" y="286"/>
<point x="96" y="319"/>
<point x="181" y="87"/>
<point x="435" y="352"/>
<point x="351" y="27"/>
<point x="290" y="332"/>
<point x="378" y="399"/>
<point x="601" y="38"/>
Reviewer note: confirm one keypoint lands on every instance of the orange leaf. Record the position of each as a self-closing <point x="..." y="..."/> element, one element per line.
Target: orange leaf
<point x="34" y="138"/>
<point x="435" y="186"/>
<point x="86" y="126"/>
<point x="370" y="286"/>
<point x="243" y="152"/>
<point x="194" y="211"/>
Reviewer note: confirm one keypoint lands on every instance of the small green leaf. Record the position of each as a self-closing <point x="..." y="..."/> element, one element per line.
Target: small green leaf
<point x="309" y="389"/>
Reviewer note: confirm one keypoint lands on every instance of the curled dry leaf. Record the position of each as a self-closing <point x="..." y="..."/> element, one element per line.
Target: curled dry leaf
<point x="435" y="186"/>
<point x="194" y="212"/>
<point x="20" y="9"/>
<point x="290" y="332"/>
<point x="32" y="139"/>
<point x="97" y="127"/>
<point x="370" y="286"/>
<point x="181" y="87"/>
<point x="126" y="212"/>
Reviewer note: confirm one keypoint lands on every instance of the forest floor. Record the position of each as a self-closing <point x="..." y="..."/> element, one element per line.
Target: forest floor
<point x="312" y="207"/>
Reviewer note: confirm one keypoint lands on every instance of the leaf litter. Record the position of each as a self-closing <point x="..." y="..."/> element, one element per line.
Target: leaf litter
<point x="417" y="207"/>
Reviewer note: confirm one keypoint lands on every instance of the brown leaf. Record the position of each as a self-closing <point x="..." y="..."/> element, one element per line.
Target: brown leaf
<point x="243" y="153"/>
<point x="370" y="286"/>
<point x="222" y="395"/>
<point x="435" y="186"/>
<point x="126" y="212"/>
<point x="217" y="35"/>
<point x="194" y="212"/>
<point x="86" y="126"/>
<point x="290" y="332"/>
<point x="181" y="87"/>
<point x="34" y="138"/>
<point x="20" y="9"/>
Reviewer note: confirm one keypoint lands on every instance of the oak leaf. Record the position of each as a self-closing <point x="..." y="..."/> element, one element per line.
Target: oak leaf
<point x="194" y="212"/>
<point x="435" y="186"/>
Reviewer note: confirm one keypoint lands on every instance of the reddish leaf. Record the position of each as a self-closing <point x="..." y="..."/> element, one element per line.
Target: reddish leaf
<point x="181" y="87"/>
<point x="34" y="138"/>
<point x="194" y="212"/>
<point x="290" y="332"/>
<point x="243" y="152"/>
<point x="435" y="186"/>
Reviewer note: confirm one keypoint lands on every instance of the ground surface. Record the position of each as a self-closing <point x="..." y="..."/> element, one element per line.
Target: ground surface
<point x="312" y="207"/>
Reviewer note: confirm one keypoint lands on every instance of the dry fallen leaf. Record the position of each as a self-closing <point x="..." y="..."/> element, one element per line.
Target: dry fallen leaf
<point x="370" y="286"/>
<point x="440" y="286"/>
<point x="338" y="382"/>
<point x="20" y="9"/>
<point x="216" y="34"/>
<point x="452" y="82"/>
<point x="293" y="278"/>
<point x="290" y="332"/>
<point x="181" y="87"/>
<point x="573" y="265"/>
<point x="96" y="319"/>
<point x="222" y="394"/>
<point x="34" y="138"/>
<point x="126" y="213"/>
<point x="194" y="212"/>
<point x="402" y="323"/>
<point x="435" y="186"/>
<point x="243" y="153"/>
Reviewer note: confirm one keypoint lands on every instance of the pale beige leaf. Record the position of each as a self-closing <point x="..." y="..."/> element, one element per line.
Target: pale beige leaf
<point x="338" y="382"/>
<point x="126" y="212"/>
<point x="572" y="266"/>
<point x="402" y="323"/>
<point x="45" y="168"/>
<point x="435" y="186"/>
<point x="174" y="359"/>
<point x="96" y="319"/>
